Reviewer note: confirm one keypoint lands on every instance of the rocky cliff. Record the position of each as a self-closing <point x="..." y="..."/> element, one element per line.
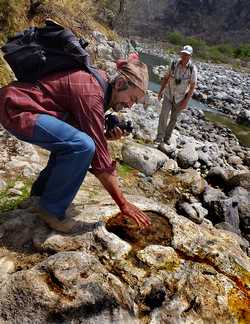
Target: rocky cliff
<point x="211" y="19"/>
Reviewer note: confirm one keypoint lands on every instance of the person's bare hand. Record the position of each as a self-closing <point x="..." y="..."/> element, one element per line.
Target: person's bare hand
<point x="115" y="134"/>
<point x="136" y="214"/>
<point x="183" y="104"/>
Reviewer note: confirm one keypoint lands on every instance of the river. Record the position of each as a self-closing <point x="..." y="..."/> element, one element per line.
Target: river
<point x="242" y="132"/>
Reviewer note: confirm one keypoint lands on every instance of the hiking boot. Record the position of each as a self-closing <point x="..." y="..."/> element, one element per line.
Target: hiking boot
<point x="156" y="143"/>
<point x="167" y="141"/>
<point x="163" y="147"/>
<point x="69" y="226"/>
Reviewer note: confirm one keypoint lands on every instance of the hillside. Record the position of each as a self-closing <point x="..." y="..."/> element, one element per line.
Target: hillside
<point x="213" y="20"/>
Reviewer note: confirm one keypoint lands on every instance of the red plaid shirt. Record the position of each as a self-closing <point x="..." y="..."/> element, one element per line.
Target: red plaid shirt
<point x="74" y="95"/>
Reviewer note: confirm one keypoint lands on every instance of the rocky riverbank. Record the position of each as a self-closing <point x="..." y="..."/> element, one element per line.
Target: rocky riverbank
<point x="191" y="266"/>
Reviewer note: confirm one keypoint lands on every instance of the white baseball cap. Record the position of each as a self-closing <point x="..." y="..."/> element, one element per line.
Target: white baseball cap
<point x="187" y="49"/>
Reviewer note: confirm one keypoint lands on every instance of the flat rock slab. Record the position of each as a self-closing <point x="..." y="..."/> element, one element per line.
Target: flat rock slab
<point x="114" y="272"/>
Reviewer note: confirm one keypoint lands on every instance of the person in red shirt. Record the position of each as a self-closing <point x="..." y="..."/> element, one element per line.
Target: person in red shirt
<point x="65" y="114"/>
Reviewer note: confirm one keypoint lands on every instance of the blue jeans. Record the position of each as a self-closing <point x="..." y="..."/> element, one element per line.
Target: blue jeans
<point x="71" y="154"/>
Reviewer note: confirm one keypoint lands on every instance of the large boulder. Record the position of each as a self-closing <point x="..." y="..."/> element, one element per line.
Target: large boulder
<point x="143" y="158"/>
<point x="187" y="156"/>
<point x="192" y="179"/>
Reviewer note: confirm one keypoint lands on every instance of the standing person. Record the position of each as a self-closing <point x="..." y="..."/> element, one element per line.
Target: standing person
<point x="177" y="86"/>
<point x="64" y="114"/>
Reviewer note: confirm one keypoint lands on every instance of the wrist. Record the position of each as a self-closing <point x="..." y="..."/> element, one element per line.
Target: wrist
<point x="122" y="204"/>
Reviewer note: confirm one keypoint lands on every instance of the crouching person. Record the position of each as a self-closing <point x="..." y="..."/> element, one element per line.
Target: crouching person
<point x="64" y="114"/>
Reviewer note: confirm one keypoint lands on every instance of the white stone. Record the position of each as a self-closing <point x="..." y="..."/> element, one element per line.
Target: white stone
<point x="3" y="184"/>
<point x="7" y="265"/>
<point x="144" y="158"/>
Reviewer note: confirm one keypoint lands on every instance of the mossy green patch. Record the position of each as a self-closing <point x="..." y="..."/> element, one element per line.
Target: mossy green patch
<point x="7" y="201"/>
<point x="125" y="170"/>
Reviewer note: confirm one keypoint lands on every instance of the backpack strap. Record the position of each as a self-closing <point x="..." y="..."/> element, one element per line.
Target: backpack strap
<point x="173" y="66"/>
<point x="175" y="63"/>
<point x="191" y="67"/>
<point x="103" y="83"/>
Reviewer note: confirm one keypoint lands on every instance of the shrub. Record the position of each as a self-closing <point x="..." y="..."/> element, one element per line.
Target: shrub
<point x="217" y="56"/>
<point x="198" y="45"/>
<point x="243" y="51"/>
<point x="176" y="38"/>
<point x="226" y="49"/>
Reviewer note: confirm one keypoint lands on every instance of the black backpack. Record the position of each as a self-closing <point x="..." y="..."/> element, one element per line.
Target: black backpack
<point x="36" y="52"/>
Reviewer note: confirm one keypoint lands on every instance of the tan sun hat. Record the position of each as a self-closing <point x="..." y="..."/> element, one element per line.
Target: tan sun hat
<point x="136" y="72"/>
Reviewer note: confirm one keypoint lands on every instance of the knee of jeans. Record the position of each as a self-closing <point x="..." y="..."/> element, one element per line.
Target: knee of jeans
<point x="91" y="147"/>
<point x="85" y="144"/>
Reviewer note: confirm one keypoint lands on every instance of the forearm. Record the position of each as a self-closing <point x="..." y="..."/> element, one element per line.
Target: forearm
<point x="190" y="91"/>
<point x="111" y="184"/>
<point x="164" y="82"/>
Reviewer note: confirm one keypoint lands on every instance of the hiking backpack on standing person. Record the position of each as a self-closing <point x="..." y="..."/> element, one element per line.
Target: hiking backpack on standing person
<point x="37" y="52"/>
<point x="174" y="64"/>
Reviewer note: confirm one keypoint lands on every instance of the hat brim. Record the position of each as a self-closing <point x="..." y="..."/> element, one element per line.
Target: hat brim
<point x="186" y="52"/>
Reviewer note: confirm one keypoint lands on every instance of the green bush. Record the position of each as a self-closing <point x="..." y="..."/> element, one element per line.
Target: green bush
<point x="176" y="38"/>
<point x="226" y="49"/>
<point x="216" y="55"/>
<point x="198" y="45"/>
<point x="243" y="51"/>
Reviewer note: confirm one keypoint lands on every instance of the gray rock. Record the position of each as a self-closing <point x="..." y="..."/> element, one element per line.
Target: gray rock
<point x="242" y="196"/>
<point x="217" y="176"/>
<point x="7" y="266"/>
<point x="105" y="52"/>
<point x="212" y="194"/>
<point x="244" y="117"/>
<point x="146" y="159"/>
<point x="3" y="184"/>
<point x="99" y="37"/>
<point x="234" y="160"/>
<point x="195" y="211"/>
<point x="187" y="156"/>
<point x="239" y="180"/>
